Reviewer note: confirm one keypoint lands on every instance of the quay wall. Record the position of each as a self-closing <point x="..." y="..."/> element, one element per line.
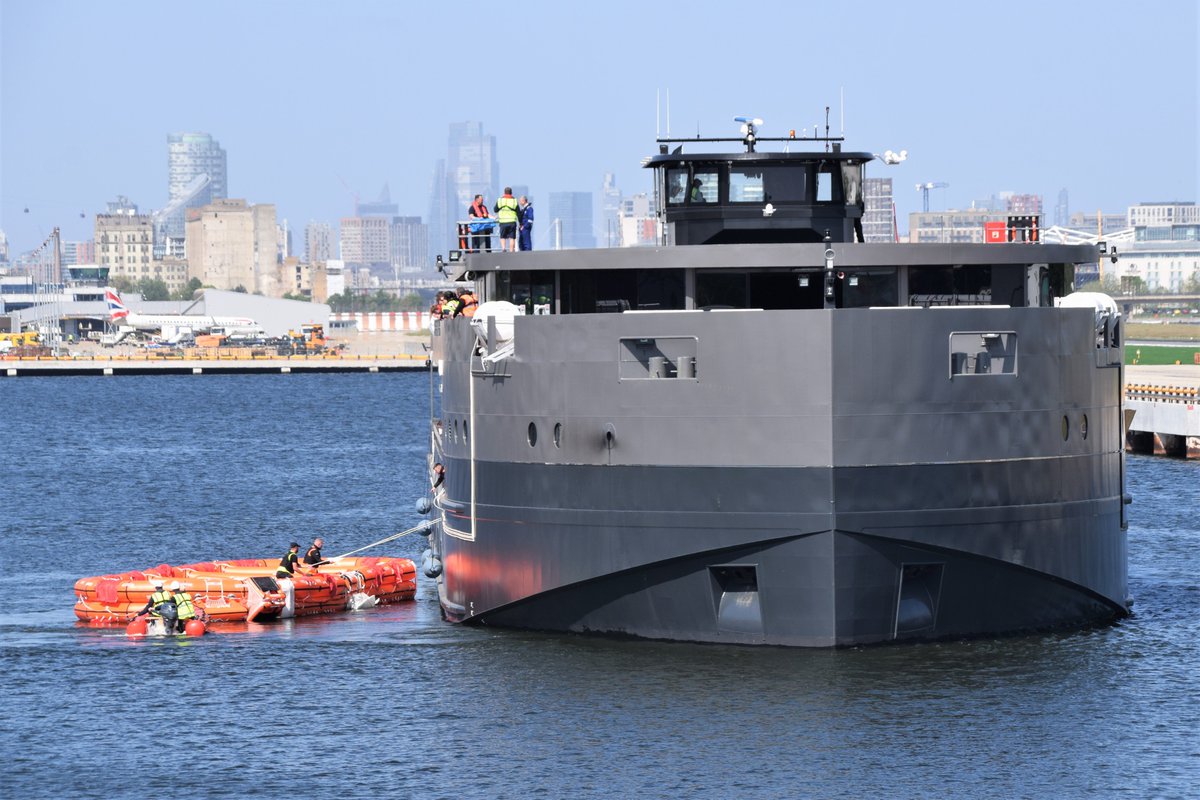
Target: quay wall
<point x="1162" y="410"/>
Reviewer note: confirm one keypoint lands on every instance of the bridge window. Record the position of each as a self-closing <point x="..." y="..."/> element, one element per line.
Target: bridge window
<point x="705" y="187"/>
<point x="767" y="184"/>
<point x="677" y="181"/>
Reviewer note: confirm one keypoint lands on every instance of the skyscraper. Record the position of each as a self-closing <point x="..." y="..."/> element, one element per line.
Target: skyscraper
<point x="610" y="211"/>
<point x="318" y="242"/>
<point x="470" y="168"/>
<point x="570" y="220"/>
<point x="190" y="155"/>
<point x="879" y="215"/>
<point x="196" y="176"/>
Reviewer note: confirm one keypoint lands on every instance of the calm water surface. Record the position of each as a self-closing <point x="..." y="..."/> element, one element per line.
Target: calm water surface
<point x="109" y="474"/>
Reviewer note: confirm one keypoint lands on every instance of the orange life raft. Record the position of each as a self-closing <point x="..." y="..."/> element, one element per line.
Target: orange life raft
<point x="246" y="589"/>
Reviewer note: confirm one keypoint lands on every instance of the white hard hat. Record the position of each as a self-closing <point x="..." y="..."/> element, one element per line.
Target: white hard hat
<point x="174" y="586"/>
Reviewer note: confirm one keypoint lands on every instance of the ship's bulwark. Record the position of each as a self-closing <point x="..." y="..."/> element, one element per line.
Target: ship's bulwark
<point x="852" y="492"/>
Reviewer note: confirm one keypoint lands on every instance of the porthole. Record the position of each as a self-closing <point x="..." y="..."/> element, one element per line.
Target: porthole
<point x="532" y="434"/>
<point x="466" y="431"/>
<point x="1083" y="426"/>
<point x="1066" y="428"/>
<point x="454" y="438"/>
<point x="558" y="434"/>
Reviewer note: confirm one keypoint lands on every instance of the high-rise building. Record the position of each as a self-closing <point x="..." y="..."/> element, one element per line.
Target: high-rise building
<point x="879" y="214"/>
<point x="409" y="244"/>
<point x="380" y="207"/>
<point x="470" y="168"/>
<point x="639" y="224"/>
<point x="366" y="242"/>
<point x="75" y="253"/>
<point x="1062" y="210"/>
<point x="570" y="220"/>
<point x="610" y="211"/>
<point x="196" y="176"/>
<point x="231" y="243"/>
<point x="125" y="244"/>
<point x="318" y="242"/>
<point x="190" y="155"/>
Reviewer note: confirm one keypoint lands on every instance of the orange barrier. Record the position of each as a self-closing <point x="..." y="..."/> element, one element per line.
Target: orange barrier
<point x="246" y="589"/>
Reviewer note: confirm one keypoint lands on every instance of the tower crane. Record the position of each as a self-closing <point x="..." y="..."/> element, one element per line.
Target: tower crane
<point x="924" y="188"/>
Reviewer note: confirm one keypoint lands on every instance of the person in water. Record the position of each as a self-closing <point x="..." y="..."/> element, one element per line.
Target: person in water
<point x="290" y="562"/>
<point x="313" y="556"/>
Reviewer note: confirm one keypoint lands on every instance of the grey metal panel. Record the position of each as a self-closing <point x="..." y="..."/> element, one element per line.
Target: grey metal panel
<point x="759" y="256"/>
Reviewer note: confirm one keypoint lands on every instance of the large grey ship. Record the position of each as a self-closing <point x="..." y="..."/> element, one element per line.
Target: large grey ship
<point x="766" y="431"/>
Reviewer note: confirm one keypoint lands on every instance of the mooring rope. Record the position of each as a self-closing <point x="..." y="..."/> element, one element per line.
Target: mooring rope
<point x="393" y="537"/>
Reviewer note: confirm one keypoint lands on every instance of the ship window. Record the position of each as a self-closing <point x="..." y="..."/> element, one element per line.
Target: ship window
<point x="745" y="185"/>
<point x="653" y="358"/>
<point x="704" y="187"/>
<point x="1083" y="426"/>
<point x="864" y="288"/>
<point x="1066" y="428"/>
<point x="677" y="181"/>
<point x="852" y="183"/>
<point x="558" y="434"/>
<point x="825" y="183"/>
<point x="532" y="434"/>
<point x="983" y="353"/>
<point x="721" y="290"/>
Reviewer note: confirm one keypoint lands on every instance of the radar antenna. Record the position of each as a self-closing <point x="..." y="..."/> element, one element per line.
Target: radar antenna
<point x="749" y="124"/>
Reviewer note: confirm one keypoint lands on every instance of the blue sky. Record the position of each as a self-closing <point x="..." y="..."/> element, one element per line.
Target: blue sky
<point x="308" y="98"/>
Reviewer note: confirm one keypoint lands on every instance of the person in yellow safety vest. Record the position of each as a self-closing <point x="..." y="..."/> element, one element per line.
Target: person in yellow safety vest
<point x="161" y="605"/>
<point x="184" y="608"/>
<point x="506" y="215"/>
<point x="450" y="306"/>
<point x="467" y="304"/>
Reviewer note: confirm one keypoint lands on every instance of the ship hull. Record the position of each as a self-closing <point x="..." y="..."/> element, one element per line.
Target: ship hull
<point x="851" y="491"/>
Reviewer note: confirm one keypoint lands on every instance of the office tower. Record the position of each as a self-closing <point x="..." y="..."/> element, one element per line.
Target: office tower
<point x="190" y="155"/>
<point x="639" y="223"/>
<point x="380" y="207"/>
<point x="470" y="168"/>
<point x="366" y="242"/>
<point x="1062" y="212"/>
<point x="1030" y="204"/>
<point x="610" y="211"/>
<point x="879" y="214"/>
<point x="196" y="176"/>
<point x="409" y="244"/>
<point x="570" y="218"/>
<point x="318" y="242"/>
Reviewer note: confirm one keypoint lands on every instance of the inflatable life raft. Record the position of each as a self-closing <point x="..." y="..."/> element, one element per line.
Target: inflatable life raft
<point x="246" y="590"/>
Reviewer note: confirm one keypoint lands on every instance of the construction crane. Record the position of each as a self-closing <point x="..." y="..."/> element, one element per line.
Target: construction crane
<point x="924" y="188"/>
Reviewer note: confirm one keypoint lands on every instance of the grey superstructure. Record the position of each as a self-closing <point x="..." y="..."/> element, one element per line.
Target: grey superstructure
<point x="768" y="432"/>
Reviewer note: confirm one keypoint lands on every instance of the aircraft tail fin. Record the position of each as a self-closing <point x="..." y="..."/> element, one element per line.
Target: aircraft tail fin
<point x="116" y="309"/>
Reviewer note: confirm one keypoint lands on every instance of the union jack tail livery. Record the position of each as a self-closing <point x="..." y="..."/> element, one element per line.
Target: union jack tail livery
<point x="116" y="309"/>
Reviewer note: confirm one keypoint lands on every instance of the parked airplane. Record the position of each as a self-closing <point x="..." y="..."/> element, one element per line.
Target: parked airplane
<point x="173" y="327"/>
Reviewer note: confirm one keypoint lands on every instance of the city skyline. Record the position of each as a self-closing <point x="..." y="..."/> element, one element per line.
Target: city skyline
<point x="1032" y="101"/>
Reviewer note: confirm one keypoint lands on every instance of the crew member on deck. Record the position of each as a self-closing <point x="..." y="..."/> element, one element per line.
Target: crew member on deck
<point x="289" y="562"/>
<point x="313" y="556"/>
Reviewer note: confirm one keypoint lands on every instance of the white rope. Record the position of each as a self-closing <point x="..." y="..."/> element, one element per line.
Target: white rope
<point x="381" y="541"/>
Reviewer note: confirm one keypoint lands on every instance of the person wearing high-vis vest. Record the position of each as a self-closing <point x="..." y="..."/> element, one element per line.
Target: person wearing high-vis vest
<point x="506" y="215"/>
<point x="184" y="608"/>
<point x="161" y="605"/>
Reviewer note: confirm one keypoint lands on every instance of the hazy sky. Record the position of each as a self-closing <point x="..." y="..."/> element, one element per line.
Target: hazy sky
<point x="308" y="98"/>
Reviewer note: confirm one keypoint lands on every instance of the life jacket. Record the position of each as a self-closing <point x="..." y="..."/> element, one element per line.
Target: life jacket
<point x="479" y="210"/>
<point x="469" y="304"/>
<point x="450" y="307"/>
<point x="183" y="604"/>
<point x="506" y="209"/>
<point x="161" y="602"/>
